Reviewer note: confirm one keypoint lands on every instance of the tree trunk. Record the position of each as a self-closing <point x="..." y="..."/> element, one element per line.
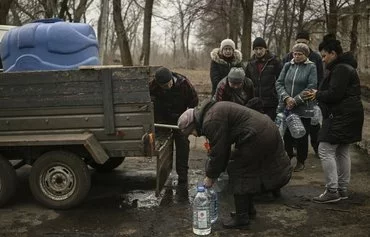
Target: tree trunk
<point x="302" y="8"/>
<point x="103" y="28"/>
<point x="80" y="11"/>
<point x="354" y="31"/>
<point x="145" y="52"/>
<point x="4" y="10"/>
<point x="332" y="17"/>
<point x="265" y="19"/>
<point x="247" y="6"/>
<point x="234" y="24"/>
<point x="126" y="58"/>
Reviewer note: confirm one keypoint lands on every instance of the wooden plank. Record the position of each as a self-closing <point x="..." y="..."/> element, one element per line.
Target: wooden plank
<point x="96" y="150"/>
<point x="80" y="110"/>
<point x="123" y="133"/>
<point x="133" y="97"/>
<point x="75" y="121"/>
<point x="164" y="164"/>
<point x="39" y="140"/>
<point x="109" y="124"/>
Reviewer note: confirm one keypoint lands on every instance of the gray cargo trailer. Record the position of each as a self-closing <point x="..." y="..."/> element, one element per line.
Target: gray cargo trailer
<point x="61" y="121"/>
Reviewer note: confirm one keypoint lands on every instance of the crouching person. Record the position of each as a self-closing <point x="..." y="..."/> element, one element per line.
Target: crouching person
<point x="259" y="161"/>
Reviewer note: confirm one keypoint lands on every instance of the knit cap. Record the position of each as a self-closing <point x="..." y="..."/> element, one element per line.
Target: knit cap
<point x="227" y="42"/>
<point x="303" y="35"/>
<point x="259" y="42"/>
<point x="163" y="75"/>
<point x="301" y="47"/>
<point x="236" y="75"/>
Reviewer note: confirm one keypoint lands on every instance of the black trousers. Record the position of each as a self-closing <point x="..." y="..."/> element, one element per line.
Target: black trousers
<point x="300" y="143"/>
<point x="243" y="203"/>
<point x="314" y="133"/>
<point x="270" y="111"/>
<point x="182" y="155"/>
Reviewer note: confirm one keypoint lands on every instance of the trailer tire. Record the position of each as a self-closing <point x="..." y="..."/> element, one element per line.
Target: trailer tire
<point x="8" y="181"/>
<point x="109" y="165"/>
<point x="59" y="180"/>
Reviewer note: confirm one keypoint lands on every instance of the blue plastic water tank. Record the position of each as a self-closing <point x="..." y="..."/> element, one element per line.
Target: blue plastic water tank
<point x="49" y="45"/>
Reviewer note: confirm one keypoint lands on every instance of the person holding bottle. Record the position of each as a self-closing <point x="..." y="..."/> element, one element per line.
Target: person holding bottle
<point x="339" y="97"/>
<point x="296" y="78"/>
<point x="257" y="163"/>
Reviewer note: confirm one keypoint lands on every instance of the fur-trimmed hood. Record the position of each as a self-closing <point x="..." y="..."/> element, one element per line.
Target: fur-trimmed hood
<point x="215" y="56"/>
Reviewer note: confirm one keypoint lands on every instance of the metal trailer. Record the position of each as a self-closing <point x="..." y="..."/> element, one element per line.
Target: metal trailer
<point x="59" y="122"/>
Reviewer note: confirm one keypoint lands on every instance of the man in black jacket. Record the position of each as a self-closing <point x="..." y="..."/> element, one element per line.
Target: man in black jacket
<point x="172" y="94"/>
<point x="304" y="37"/>
<point x="264" y="69"/>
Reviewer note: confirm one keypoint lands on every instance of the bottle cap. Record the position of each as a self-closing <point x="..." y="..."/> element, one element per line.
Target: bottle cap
<point x="200" y="188"/>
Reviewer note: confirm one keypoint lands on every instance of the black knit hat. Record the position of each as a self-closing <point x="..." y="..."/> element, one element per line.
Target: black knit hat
<point x="259" y="42"/>
<point x="303" y="35"/>
<point x="163" y="75"/>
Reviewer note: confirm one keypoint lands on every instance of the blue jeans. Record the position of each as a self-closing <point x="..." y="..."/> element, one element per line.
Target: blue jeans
<point x="336" y="164"/>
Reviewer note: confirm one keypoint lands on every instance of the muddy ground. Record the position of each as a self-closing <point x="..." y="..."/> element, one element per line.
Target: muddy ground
<point x="122" y="203"/>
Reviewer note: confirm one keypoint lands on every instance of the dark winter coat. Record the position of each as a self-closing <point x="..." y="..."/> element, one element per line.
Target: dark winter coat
<point x="339" y="98"/>
<point x="170" y="104"/>
<point x="259" y="161"/>
<point x="220" y="66"/>
<point x="313" y="57"/>
<point x="240" y="96"/>
<point x="264" y="82"/>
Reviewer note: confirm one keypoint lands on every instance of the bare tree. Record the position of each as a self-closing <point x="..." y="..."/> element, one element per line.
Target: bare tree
<point x="102" y="28"/>
<point x="234" y="23"/>
<point x="145" y="53"/>
<point x="354" y="31"/>
<point x="247" y="6"/>
<point x="4" y="10"/>
<point x="126" y="58"/>
<point x="80" y="10"/>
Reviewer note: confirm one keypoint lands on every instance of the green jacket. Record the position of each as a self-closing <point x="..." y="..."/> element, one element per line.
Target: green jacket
<point x="293" y="80"/>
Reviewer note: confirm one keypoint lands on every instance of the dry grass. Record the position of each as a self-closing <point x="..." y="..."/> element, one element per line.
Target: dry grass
<point x="199" y="78"/>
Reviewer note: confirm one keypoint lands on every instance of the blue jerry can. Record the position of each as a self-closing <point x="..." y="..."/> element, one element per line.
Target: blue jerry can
<point x="49" y="44"/>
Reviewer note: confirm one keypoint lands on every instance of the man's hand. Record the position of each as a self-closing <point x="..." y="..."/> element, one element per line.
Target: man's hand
<point x="208" y="182"/>
<point x="312" y="94"/>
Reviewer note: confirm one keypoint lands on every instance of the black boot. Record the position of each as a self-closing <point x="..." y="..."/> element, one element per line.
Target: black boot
<point x="252" y="212"/>
<point x="241" y="218"/>
<point x="239" y="221"/>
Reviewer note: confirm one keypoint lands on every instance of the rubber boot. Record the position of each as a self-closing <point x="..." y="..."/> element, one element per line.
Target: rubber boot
<point x="252" y="212"/>
<point x="241" y="218"/>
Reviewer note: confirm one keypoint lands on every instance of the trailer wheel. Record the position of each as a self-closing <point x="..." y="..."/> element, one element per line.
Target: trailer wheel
<point x="59" y="180"/>
<point x="8" y="181"/>
<point x="109" y="165"/>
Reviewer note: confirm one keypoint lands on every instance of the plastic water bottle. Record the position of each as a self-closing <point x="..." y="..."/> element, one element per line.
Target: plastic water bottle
<point x="213" y="204"/>
<point x="317" y="116"/>
<point x="280" y="123"/>
<point x="295" y="125"/>
<point x="221" y="182"/>
<point x="201" y="213"/>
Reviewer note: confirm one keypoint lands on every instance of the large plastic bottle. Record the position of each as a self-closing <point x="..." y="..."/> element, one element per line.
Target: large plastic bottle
<point x="281" y="123"/>
<point x="201" y="213"/>
<point x="295" y="125"/>
<point x="317" y="116"/>
<point x="213" y="203"/>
